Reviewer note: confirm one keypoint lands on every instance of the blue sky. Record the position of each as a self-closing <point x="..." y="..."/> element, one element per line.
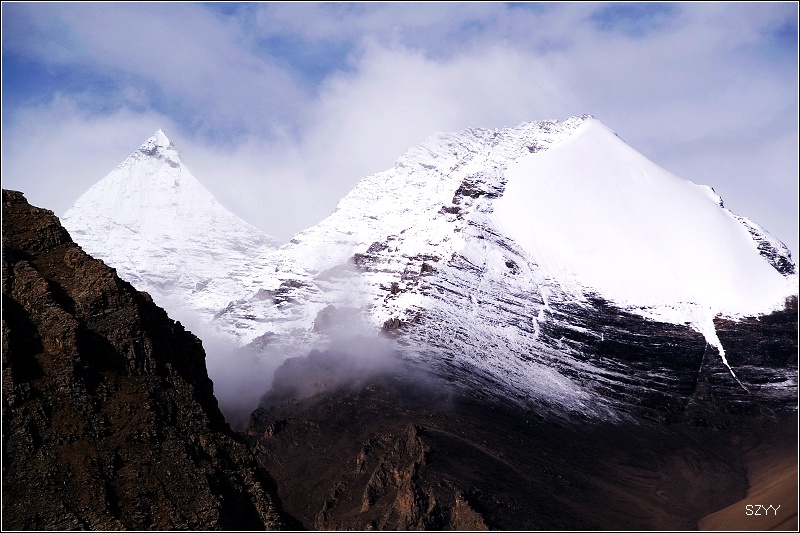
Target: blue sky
<point x="280" y="108"/>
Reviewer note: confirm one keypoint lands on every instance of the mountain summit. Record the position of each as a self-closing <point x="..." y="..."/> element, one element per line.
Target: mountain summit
<point x="162" y="230"/>
<point x="159" y="147"/>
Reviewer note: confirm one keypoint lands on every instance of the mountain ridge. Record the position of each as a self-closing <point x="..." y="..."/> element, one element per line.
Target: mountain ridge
<point x="444" y="255"/>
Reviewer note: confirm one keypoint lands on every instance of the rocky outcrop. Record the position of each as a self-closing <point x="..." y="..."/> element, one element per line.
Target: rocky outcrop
<point x="649" y="368"/>
<point x="368" y="465"/>
<point x="775" y="252"/>
<point x="109" y="416"/>
<point x="395" y="496"/>
<point x="757" y="342"/>
<point x="760" y="378"/>
<point x="668" y="372"/>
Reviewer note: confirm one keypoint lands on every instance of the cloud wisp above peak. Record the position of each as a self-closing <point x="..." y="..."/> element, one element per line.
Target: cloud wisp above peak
<point x="279" y="109"/>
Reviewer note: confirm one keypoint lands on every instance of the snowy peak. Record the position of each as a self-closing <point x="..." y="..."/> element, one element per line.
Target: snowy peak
<point x="148" y="187"/>
<point x="157" y="147"/>
<point x="565" y="209"/>
<point x="160" y="139"/>
<point x="164" y="231"/>
<point x="594" y="212"/>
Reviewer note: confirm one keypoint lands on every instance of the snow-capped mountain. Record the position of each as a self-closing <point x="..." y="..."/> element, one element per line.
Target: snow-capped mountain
<point x="487" y="249"/>
<point x="549" y="261"/>
<point x="165" y="233"/>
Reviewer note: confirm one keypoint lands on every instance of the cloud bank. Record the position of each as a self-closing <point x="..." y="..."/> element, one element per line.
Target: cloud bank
<point x="279" y="109"/>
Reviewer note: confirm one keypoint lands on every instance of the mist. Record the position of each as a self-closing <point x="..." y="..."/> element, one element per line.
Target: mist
<point x="340" y="350"/>
<point x="241" y="374"/>
<point x="345" y="352"/>
<point x="353" y="354"/>
<point x="346" y="362"/>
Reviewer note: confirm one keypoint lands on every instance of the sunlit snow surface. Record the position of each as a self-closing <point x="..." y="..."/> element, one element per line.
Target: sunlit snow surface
<point x="594" y="213"/>
<point x="165" y="233"/>
<point x="467" y="244"/>
<point x="590" y="213"/>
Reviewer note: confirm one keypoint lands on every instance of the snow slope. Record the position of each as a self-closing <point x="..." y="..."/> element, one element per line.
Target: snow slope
<point x="595" y="214"/>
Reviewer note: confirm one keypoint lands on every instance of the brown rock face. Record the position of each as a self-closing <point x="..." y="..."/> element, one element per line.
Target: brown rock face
<point x="370" y="469"/>
<point x="109" y="416"/>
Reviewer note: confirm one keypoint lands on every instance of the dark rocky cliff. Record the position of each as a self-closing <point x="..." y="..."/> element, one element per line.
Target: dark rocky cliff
<point x="669" y="373"/>
<point x="109" y="416"/>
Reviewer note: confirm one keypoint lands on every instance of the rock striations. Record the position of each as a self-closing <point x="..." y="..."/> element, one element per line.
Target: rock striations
<point x="109" y="416"/>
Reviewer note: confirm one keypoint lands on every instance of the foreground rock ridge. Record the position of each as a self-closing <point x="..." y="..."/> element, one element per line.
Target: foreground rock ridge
<point x="109" y="417"/>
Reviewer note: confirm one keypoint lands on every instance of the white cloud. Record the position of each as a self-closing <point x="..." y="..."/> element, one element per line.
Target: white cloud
<point x="364" y="121"/>
<point x="191" y="62"/>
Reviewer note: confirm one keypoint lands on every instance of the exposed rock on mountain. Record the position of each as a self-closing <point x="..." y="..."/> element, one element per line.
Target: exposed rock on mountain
<point x="109" y="417"/>
<point x="669" y="372"/>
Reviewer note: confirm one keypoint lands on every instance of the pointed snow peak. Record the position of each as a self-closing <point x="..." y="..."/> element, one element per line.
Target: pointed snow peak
<point x="161" y="138"/>
<point x="158" y="146"/>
